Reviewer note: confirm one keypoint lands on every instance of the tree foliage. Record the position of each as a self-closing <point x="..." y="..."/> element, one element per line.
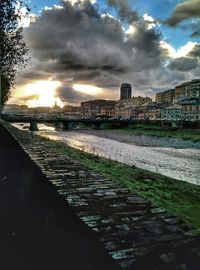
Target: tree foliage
<point x="13" y="50"/>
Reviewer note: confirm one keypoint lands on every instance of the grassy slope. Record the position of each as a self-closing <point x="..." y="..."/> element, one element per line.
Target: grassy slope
<point x="158" y="131"/>
<point x="178" y="197"/>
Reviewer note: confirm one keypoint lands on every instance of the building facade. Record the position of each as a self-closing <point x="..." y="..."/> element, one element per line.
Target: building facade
<point x="149" y="111"/>
<point x="137" y="101"/>
<point x="93" y="108"/>
<point x="171" y="113"/>
<point x="166" y="96"/>
<point x="125" y="91"/>
<point x="191" y="109"/>
<point x="189" y="89"/>
<point x="108" y="111"/>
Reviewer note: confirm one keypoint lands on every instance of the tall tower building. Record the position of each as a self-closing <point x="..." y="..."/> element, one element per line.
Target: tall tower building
<point x="125" y="91"/>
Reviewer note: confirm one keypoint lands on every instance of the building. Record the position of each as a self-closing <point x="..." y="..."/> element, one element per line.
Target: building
<point x="166" y="96"/>
<point x="191" y="109"/>
<point x="93" y="108"/>
<point x="40" y="110"/>
<point x="194" y="89"/>
<point x="150" y="111"/>
<point x="15" y="109"/>
<point x="129" y="108"/>
<point x="108" y="111"/>
<point x="189" y="89"/>
<point x="125" y="91"/>
<point x="137" y="101"/>
<point x="172" y="112"/>
<point x="71" y="109"/>
<point x="182" y="90"/>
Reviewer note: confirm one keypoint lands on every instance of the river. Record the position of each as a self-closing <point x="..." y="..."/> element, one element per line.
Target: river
<point x="182" y="164"/>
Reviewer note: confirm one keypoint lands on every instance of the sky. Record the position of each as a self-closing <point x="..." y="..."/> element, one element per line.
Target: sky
<point x="82" y="50"/>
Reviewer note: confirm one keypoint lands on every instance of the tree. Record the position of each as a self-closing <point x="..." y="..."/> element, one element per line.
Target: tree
<point x="13" y="50"/>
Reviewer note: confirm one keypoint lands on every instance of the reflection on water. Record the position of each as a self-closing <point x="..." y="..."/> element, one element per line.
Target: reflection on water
<point x="182" y="164"/>
<point x="41" y="127"/>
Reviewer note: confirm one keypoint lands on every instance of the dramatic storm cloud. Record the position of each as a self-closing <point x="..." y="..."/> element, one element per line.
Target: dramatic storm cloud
<point x="124" y="11"/>
<point x="186" y="9"/>
<point x="70" y="96"/>
<point x="196" y="51"/>
<point x="75" y="43"/>
<point x="184" y="64"/>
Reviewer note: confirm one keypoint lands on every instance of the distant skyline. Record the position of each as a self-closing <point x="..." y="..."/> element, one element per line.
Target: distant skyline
<point x="82" y="50"/>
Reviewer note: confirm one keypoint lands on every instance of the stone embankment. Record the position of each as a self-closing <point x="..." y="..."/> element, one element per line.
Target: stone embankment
<point x="136" y="233"/>
<point x="38" y="229"/>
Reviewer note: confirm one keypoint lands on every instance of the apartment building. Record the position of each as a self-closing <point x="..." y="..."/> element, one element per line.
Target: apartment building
<point x="173" y="112"/>
<point x="93" y="108"/>
<point x="191" y="109"/>
<point x="166" y="96"/>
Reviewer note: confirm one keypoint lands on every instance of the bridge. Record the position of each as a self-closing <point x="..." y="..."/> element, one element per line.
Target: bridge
<point x="66" y="123"/>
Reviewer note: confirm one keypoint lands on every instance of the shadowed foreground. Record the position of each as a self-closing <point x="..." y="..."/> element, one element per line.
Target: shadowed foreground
<point x="136" y="233"/>
<point x="38" y="230"/>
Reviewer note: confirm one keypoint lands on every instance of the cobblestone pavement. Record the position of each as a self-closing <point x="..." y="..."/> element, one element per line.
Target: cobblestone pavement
<point x="136" y="233"/>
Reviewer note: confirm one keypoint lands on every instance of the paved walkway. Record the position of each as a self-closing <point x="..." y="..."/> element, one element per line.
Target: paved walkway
<point x="38" y="229"/>
<point x="137" y="234"/>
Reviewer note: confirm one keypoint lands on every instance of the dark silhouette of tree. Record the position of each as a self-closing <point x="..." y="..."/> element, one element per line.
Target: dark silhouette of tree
<point x="13" y="50"/>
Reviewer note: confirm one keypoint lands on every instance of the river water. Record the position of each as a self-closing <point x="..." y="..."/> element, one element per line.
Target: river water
<point x="181" y="164"/>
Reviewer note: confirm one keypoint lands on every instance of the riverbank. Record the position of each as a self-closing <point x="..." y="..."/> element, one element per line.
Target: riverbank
<point x="136" y="233"/>
<point x="163" y="131"/>
<point x="177" y="197"/>
<point x="145" y="139"/>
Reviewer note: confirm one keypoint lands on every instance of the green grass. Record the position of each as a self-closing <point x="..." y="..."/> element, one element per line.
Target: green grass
<point x="177" y="197"/>
<point x="165" y="131"/>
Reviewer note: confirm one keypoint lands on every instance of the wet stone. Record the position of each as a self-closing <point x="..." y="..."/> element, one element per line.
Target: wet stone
<point x="106" y="221"/>
<point x="123" y="227"/>
<point x="127" y="263"/>
<point x="172" y="220"/>
<point x="111" y="246"/>
<point x="90" y="218"/>
<point x="155" y="230"/>
<point x="168" y="257"/>
<point x="157" y="210"/>
<point x="173" y="228"/>
<point x="118" y="205"/>
<point x="130" y="227"/>
<point x="134" y="199"/>
<point x="122" y="254"/>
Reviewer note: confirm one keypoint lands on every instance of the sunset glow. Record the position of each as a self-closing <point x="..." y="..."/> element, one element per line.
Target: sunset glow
<point x="41" y="93"/>
<point x="88" y="89"/>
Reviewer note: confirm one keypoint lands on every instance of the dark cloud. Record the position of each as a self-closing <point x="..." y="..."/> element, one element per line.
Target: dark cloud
<point x="145" y="43"/>
<point x="124" y="10"/>
<point x="196" y="51"/>
<point x="78" y="44"/>
<point x="34" y="75"/>
<point x="186" y="9"/>
<point x="184" y="64"/>
<point x="69" y="95"/>
<point x="78" y="38"/>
